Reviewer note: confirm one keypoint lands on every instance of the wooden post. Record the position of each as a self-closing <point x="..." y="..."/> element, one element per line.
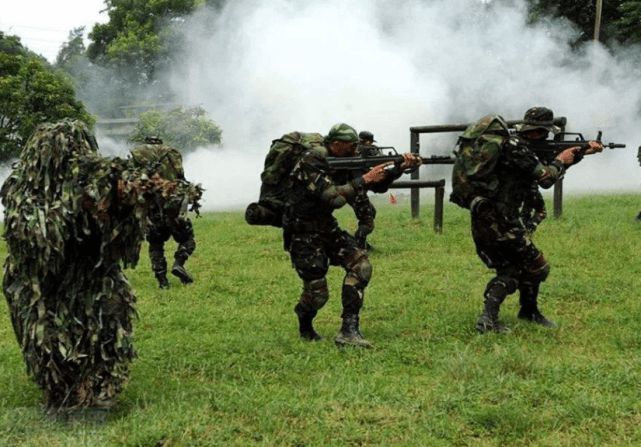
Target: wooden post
<point x="597" y="19"/>
<point x="558" y="189"/>
<point x="558" y="199"/>
<point x="439" y="194"/>
<point x="415" y="192"/>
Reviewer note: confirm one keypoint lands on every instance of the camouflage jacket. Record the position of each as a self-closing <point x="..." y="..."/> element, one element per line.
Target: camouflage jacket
<point x="517" y="169"/>
<point x="533" y="211"/>
<point x="313" y="193"/>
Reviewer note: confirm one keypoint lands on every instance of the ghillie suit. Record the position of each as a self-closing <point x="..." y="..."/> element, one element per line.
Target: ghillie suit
<point x="73" y="219"/>
<point x="168" y="212"/>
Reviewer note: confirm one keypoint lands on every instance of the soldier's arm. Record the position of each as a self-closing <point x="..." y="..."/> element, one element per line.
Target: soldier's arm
<point x="313" y="172"/>
<point x="518" y="156"/>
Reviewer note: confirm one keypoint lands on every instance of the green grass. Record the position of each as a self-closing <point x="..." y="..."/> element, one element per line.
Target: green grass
<point x="220" y="362"/>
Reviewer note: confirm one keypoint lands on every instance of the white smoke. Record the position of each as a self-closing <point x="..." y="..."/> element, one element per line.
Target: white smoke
<point x="264" y="68"/>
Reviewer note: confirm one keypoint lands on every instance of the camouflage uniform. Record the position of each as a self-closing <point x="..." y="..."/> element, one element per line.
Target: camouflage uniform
<point x="363" y="208"/>
<point x="168" y="218"/>
<point x="501" y="238"/>
<point x="533" y="211"/>
<point x="315" y="241"/>
<point x="72" y="220"/>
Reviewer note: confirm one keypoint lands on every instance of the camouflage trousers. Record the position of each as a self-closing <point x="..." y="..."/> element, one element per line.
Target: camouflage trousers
<point x="312" y="252"/>
<point x="504" y="246"/>
<point x="181" y="230"/>
<point x="366" y="213"/>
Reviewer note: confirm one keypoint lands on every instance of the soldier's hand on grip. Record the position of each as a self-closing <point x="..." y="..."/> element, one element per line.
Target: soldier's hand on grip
<point x="376" y="174"/>
<point x="595" y="146"/>
<point x="567" y="156"/>
<point x="411" y="161"/>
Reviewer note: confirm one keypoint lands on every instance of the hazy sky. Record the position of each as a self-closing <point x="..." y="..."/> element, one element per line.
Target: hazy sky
<point x="43" y="25"/>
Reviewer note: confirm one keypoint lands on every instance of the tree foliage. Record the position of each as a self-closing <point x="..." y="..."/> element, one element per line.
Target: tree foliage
<point x="620" y="19"/>
<point x="31" y="92"/>
<point x="185" y="129"/>
<point x="628" y="25"/>
<point x="138" y="36"/>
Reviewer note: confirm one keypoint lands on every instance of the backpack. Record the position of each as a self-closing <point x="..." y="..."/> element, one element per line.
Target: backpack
<point x="283" y="155"/>
<point x="164" y="160"/>
<point x="479" y="148"/>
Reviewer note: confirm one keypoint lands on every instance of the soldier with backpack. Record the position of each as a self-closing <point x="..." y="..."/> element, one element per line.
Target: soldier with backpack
<point x="168" y="215"/>
<point x="492" y="176"/>
<point x="300" y="194"/>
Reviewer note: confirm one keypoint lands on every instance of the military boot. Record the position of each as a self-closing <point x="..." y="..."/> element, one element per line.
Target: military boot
<point x="530" y="312"/>
<point x="305" y="327"/>
<point x="162" y="280"/>
<point x="529" y="306"/>
<point x="350" y="335"/>
<point x="489" y="319"/>
<point x="179" y="271"/>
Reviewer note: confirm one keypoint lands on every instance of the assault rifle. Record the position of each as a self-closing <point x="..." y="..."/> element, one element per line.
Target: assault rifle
<point x="364" y="163"/>
<point x="547" y="150"/>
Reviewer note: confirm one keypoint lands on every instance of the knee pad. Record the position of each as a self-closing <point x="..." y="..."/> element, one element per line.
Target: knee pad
<point x="315" y="293"/>
<point x="501" y="286"/>
<point x="359" y="272"/>
<point x="183" y="231"/>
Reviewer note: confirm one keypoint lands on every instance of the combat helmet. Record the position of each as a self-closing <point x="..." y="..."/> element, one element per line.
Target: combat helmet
<point x="366" y="135"/>
<point x="341" y="132"/>
<point x="538" y="118"/>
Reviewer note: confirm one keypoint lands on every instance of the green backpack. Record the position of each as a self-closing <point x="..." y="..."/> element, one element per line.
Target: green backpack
<point x="166" y="161"/>
<point x="479" y="148"/>
<point x="283" y="155"/>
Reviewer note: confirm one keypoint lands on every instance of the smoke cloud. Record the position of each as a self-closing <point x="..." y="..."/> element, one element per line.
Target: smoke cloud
<point x="265" y="68"/>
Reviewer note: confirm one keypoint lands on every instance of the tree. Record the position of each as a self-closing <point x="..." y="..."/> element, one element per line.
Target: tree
<point x="582" y="13"/>
<point x="31" y="92"/>
<point x="185" y="129"/>
<point x="137" y="38"/>
<point x="73" y="49"/>
<point x="627" y="29"/>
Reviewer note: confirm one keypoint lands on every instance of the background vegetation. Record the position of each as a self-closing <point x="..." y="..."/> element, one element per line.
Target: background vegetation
<point x="31" y="92"/>
<point x="127" y="57"/>
<point x="220" y="362"/>
<point x="184" y="129"/>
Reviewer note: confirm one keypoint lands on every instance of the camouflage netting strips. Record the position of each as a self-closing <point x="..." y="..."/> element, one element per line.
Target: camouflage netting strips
<point x="72" y="218"/>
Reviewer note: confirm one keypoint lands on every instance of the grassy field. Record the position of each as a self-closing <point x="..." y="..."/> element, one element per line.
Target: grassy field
<point x="220" y="362"/>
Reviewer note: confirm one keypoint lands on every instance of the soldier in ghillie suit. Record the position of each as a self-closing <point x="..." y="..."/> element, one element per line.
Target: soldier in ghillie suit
<point x="73" y="219"/>
<point x="168" y="215"/>
<point x="310" y="232"/>
<point x="492" y="177"/>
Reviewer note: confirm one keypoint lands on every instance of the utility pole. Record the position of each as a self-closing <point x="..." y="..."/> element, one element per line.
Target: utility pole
<point x="597" y="20"/>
